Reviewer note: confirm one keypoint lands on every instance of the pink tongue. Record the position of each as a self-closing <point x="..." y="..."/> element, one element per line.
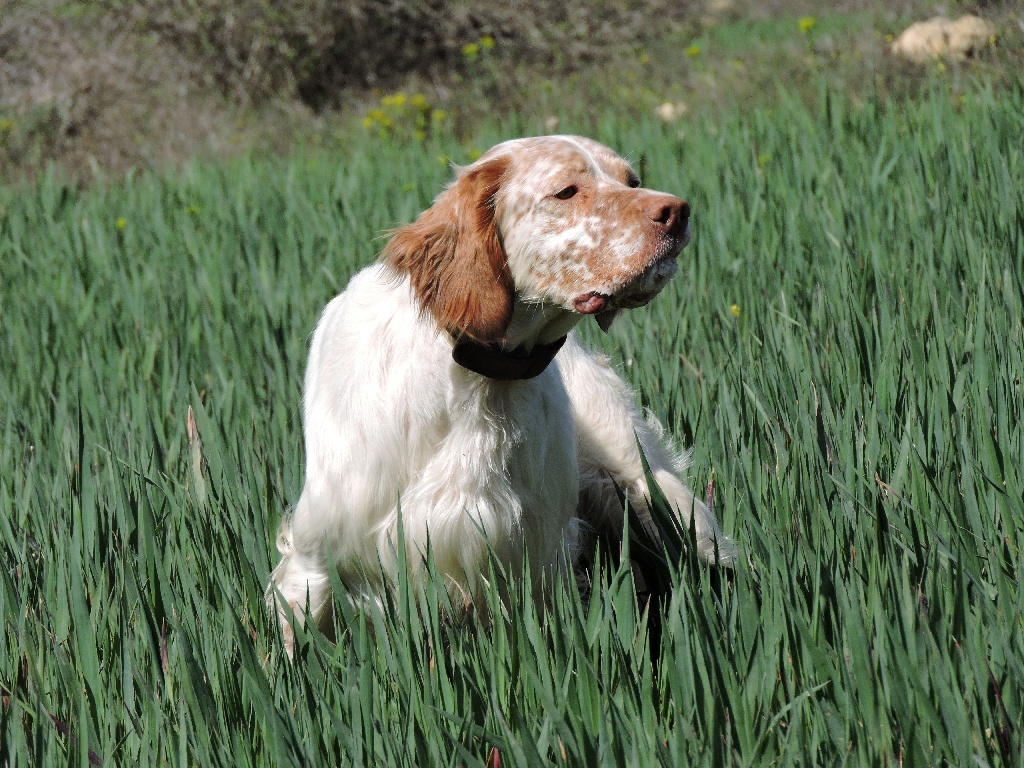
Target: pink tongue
<point x="590" y="303"/>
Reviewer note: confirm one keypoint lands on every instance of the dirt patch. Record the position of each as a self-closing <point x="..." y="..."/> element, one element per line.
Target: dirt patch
<point x="100" y="88"/>
<point x="99" y="97"/>
<point x="105" y="87"/>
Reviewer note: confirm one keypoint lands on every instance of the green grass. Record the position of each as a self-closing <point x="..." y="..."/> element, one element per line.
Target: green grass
<point x="860" y="418"/>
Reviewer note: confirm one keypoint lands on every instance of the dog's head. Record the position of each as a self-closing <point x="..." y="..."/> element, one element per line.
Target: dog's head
<point x="554" y="221"/>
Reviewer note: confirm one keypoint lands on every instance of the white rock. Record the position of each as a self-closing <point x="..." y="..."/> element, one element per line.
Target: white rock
<point x="968" y="35"/>
<point x="670" y="112"/>
<point x="941" y="38"/>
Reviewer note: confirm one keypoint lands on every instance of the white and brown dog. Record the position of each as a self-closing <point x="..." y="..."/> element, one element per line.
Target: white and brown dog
<point x="445" y="384"/>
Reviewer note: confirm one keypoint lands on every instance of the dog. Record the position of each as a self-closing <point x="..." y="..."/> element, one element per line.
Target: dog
<point x="446" y="387"/>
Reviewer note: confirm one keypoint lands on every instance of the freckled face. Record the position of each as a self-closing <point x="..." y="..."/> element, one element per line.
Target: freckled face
<point x="577" y="230"/>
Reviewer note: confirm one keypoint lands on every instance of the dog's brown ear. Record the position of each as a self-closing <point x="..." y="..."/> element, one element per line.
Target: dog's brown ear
<point x="454" y="256"/>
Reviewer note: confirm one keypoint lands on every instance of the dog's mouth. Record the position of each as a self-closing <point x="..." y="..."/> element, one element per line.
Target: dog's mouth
<point x="636" y="291"/>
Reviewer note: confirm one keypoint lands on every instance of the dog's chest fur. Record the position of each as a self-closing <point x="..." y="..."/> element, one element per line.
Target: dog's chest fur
<point x="468" y="454"/>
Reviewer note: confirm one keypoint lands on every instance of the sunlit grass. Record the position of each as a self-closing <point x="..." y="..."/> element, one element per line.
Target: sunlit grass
<point x="844" y="350"/>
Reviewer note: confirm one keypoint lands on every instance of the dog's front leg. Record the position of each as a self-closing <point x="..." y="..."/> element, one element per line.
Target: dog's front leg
<point x="608" y="428"/>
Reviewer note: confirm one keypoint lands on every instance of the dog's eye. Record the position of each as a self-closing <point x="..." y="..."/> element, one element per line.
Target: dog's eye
<point x="633" y="180"/>
<point x="566" y="193"/>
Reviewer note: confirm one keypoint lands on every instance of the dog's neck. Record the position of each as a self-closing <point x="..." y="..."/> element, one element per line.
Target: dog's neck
<point x="495" y="362"/>
<point x="533" y="338"/>
<point x="534" y="324"/>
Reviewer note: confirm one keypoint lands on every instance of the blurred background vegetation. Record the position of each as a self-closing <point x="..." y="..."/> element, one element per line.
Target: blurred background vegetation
<point x="99" y="87"/>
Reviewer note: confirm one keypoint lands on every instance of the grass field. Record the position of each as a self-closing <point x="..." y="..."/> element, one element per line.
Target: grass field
<point x="843" y="349"/>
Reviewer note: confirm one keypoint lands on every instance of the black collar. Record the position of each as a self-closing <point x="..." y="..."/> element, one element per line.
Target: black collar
<point x="496" y="362"/>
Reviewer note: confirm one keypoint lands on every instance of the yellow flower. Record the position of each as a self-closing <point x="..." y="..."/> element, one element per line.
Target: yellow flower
<point x="378" y="116"/>
<point x="693" y="51"/>
<point x="474" y="154"/>
<point x="735" y="309"/>
<point x="763" y="160"/>
<point x="6" y="125"/>
<point x="438" y="115"/>
<point x="394" y="100"/>
<point x="806" y="24"/>
<point x="192" y="209"/>
<point x="419" y="101"/>
<point x="121" y="223"/>
<point x="889" y="38"/>
<point x="470" y="50"/>
<point x="487" y="42"/>
<point x="367" y="122"/>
